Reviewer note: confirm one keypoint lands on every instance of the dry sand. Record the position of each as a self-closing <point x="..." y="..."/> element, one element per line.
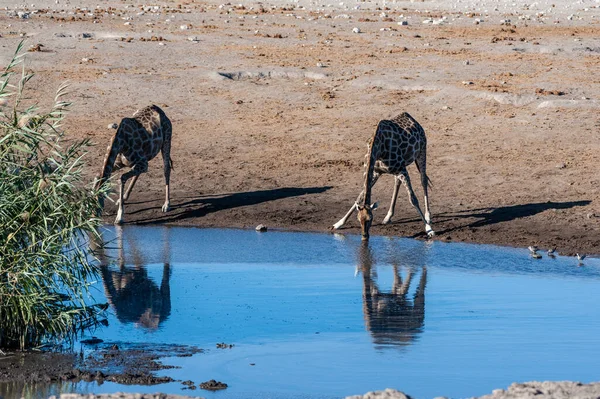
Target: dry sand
<point x="273" y="103"/>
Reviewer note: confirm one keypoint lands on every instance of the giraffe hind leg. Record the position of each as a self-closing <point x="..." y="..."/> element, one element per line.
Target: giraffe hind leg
<point x="135" y="171"/>
<point x="167" y="165"/>
<point x="421" y="163"/>
<point x="414" y="201"/>
<point x="134" y="179"/>
<point x="388" y="217"/>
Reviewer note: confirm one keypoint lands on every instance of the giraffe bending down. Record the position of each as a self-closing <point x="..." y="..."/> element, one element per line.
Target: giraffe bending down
<point x="136" y="142"/>
<point x="396" y="144"/>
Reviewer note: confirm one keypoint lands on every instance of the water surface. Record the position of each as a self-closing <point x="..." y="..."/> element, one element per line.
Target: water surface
<point x="324" y="316"/>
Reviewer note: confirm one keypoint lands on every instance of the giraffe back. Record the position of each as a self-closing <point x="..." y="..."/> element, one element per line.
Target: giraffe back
<point x="397" y="142"/>
<point x="142" y="136"/>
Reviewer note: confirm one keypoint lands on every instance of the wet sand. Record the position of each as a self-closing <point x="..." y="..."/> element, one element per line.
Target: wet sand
<point x="273" y="103"/>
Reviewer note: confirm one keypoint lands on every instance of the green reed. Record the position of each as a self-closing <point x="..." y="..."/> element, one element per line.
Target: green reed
<point x="47" y="218"/>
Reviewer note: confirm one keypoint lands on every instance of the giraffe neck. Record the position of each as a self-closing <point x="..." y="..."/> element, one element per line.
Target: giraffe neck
<point x="372" y="157"/>
<point x="110" y="158"/>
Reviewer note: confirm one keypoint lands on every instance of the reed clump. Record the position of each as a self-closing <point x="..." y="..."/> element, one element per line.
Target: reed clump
<point x="47" y="218"/>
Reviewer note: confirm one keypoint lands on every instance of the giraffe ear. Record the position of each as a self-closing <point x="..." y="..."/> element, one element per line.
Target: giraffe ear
<point x="374" y="206"/>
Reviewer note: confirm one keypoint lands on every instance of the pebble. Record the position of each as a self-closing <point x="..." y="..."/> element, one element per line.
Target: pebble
<point x="467" y="82"/>
<point x="356" y="30"/>
<point x="261" y="227"/>
<point x="403" y="23"/>
<point x="113" y="126"/>
<point x="320" y="65"/>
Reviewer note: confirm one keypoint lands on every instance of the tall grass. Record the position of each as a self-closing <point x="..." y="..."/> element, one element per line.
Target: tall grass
<point x="46" y="220"/>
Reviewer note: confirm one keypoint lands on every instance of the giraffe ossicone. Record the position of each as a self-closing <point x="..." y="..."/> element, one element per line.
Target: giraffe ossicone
<point x="397" y="143"/>
<point x="137" y="141"/>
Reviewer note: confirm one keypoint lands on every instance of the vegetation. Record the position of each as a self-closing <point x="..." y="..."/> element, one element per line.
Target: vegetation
<point x="46" y="221"/>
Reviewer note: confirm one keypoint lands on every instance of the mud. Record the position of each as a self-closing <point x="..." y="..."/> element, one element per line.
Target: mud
<point x="135" y="365"/>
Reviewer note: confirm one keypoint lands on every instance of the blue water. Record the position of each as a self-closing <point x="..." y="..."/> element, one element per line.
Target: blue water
<point x="322" y="316"/>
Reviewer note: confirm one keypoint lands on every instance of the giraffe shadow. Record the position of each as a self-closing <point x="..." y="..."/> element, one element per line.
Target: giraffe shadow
<point x="490" y="216"/>
<point x="196" y="207"/>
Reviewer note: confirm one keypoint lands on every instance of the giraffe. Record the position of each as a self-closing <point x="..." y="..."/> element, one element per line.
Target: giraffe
<point x="392" y="318"/>
<point x="396" y="144"/>
<point x="136" y="142"/>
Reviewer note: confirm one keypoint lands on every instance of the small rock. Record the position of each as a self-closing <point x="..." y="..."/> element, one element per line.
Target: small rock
<point x="591" y="215"/>
<point x="561" y="165"/>
<point x="403" y="23"/>
<point x="261" y="227"/>
<point x="213" y="385"/>
<point x="467" y="62"/>
<point x="113" y="126"/>
<point x="320" y="65"/>
<point x="467" y="82"/>
<point x="23" y="15"/>
<point x="356" y="30"/>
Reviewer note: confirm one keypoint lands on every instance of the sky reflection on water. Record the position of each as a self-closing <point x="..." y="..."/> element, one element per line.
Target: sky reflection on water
<point x="317" y="315"/>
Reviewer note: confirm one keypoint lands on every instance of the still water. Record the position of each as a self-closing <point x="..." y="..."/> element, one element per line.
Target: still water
<point x="319" y="315"/>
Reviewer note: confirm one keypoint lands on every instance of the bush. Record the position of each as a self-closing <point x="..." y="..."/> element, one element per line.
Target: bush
<point x="46" y="221"/>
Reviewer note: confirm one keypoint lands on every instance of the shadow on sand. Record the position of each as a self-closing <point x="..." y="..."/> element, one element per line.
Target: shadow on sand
<point x="196" y="207"/>
<point x="490" y="216"/>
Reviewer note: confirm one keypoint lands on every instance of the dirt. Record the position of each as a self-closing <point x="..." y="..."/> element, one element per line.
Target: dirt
<point x="273" y="103"/>
<point x="137" y="364"/>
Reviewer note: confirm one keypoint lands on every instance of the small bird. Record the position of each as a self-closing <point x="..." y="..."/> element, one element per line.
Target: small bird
<point x="552" y="252"/>
<point x="535" y="255"/>
<point x="532" y="248"/>
<point x="580" y="258"/>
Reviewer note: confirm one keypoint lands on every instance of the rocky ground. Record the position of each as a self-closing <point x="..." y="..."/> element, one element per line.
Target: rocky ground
<point x="538" y="390"/>
<point x="273" y="102"/>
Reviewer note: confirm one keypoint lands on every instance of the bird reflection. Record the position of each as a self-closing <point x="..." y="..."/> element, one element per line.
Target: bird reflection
<point x="392" y="318"/>
<point x="132" y="294"/>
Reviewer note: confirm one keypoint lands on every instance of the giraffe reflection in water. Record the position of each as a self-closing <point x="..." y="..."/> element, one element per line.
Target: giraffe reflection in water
<point x="392" y="318"/>
<point x="132" y="294"/>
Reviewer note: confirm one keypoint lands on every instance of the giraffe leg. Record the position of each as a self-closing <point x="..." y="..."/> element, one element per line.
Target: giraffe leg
<point x="414" y="201"/>
<point x="134" y="179"/>
<point x="421" y="162"/>
<point x="136" y="170"/>
<point x="388" y="217"/>
<point x="166" y="155"/>
<point x="343" y="220"/>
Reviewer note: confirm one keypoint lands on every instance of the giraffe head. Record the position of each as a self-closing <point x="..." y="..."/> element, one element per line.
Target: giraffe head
<point x="365" y="217"/>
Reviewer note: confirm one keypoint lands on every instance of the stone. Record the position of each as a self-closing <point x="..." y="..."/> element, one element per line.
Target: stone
<point x="261" y="228"/>
<point x="356" y="30"/>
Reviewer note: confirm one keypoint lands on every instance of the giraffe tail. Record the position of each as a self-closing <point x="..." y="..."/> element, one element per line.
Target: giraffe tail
<point x="429" y="182"/>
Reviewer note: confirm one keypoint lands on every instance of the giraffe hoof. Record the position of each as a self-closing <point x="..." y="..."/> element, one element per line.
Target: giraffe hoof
<point x="118" y="221"/>
<point x="386" y="221"/>
<point x="166" y="208"/>
<point x="430" y="234"/>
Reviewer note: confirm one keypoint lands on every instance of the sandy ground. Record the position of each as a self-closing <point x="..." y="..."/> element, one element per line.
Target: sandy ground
<point x="273" y="103"/>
